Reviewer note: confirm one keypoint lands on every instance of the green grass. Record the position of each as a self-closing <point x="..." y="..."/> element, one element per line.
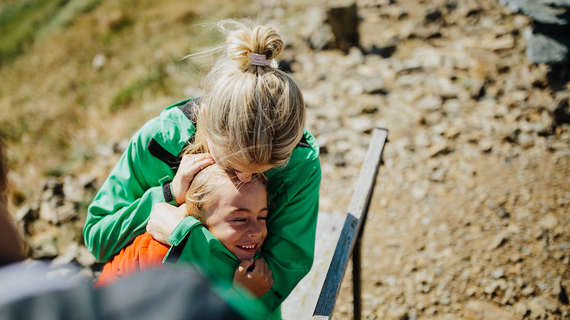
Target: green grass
<point x="20" y="22"/>
<point x="154" y="79"/>
<point x="57" y="110"/>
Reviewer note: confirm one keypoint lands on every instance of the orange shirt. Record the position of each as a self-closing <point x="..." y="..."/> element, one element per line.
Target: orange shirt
<point x="142" y="254"/>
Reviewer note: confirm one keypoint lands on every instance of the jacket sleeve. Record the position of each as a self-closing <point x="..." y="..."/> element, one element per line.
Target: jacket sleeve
<point x="121" y="208"/>
<point x="289" y="245"/>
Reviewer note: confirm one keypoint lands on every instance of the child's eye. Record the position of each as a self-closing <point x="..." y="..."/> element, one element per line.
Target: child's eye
<point x="262" y="218"/>
<point x="239" y="220"/>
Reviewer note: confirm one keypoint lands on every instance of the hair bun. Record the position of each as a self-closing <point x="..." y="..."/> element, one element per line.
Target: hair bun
<point x="258" y="40"/>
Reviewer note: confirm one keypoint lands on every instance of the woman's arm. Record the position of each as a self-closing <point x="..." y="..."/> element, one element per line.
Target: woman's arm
<point x="122" y="206"/>
<point x="138" y="182"/>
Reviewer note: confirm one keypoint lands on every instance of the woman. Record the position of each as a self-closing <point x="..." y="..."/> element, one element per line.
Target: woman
<point x="250" y="120"/>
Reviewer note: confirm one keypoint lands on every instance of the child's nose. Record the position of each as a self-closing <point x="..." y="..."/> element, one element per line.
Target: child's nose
<point x="254" y="229"/>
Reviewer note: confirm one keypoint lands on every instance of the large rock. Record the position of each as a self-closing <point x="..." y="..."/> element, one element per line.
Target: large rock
<point x="544" y="11"/>
<point x="344" y="22"/>
<point x="544" y="48"/>
<point x="549" y="41"/>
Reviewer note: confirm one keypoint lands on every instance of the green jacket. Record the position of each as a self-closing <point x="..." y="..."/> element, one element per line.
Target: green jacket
<point x="121" y="208"/>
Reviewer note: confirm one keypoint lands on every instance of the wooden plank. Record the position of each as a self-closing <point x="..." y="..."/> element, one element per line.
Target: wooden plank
<point x="301" y="303"/>
<point x="356" y="214"/>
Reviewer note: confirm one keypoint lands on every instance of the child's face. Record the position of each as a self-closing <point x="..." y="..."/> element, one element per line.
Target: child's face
<point x="238" y="218"/>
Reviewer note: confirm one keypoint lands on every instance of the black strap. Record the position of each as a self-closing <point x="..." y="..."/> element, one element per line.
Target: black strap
<point x="158" y="151"/>
<point x="176" y="251"/>
<point x="168" y="196"/>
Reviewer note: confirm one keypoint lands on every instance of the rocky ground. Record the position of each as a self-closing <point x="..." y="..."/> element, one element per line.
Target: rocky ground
<point x="470" y="217"/>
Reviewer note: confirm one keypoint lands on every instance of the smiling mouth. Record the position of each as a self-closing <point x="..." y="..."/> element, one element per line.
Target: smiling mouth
<point x="248" y="248"/>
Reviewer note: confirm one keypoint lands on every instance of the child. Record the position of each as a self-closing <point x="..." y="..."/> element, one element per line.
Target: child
<point x="233" y="212"/>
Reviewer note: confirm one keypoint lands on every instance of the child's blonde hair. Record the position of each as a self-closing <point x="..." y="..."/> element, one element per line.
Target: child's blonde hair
<point x="201" y="194"/>
<point x="255" y="114"/>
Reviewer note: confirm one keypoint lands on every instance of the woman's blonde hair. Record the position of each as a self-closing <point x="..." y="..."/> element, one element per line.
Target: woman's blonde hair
<point x="202" y="192"/>
<point x="255" y="114"/>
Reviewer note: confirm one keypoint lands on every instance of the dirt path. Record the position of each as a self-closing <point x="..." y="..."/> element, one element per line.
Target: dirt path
<point x="470" y="213"/>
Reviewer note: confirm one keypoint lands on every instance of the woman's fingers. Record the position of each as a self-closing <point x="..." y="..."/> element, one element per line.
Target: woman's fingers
<point x="190" y="165"/>
<point x="163" y="220"/>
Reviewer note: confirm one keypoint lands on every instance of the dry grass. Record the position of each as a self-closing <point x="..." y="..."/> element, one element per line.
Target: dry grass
<point x="58" y="109"/>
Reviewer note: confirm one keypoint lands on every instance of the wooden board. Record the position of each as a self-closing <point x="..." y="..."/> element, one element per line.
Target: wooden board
<point x="357" y="211"/>
<point x="301" y="303"/>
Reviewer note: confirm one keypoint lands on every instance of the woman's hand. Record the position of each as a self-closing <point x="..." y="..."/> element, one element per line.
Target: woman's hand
<point x="163" y="219"/>
<point x="190" y="165"/>
<point x="255" y="276"/>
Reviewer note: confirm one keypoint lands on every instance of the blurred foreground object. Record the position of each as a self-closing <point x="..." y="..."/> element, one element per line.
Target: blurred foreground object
<point x="37" y="291"/>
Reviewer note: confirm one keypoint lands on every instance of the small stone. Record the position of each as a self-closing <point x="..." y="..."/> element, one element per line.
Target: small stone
<point x="46" y="250"/>
<point x="485" y="145"/>
<point x="452" y="132"/>
<point x="502" y="43"/>
<point x="546" y="303"/>
<point x="369" y="108"/>
<point x="527" y="291"/>
<point x="438" y="148"/>
<point x="549" y="221"/>
<point x="380" y="314"/>
<point x="491" y="287"/>
<point x="99" y="61"/>
<point x="470" y="291"/>
<point x="374" y="86"/>
<point x="419" y="193"/>
<point x="479" y="310"/>
<point x="430" y="103"/>
<point x="521" y="309"/>
<point x="23" y="213"/>
<point x="522" y="214"/>
<point x="536" y="309"/>
<point x="438" y="175"/>
<point x="48" y="213"/>
<point x="400" y="313"/>
<point x="515" y="257"/>
<point x="502" y="213"/>
<point x="362" y="124"/>
<point x="498" y="273"/>
<point x="66" y="212"/>
<point x="323" y="142"/>
<point x="499" y="239"/>
<point x="68" y="256"/>
<point x="338" y="160"/>
<point x="84" y="257"/>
